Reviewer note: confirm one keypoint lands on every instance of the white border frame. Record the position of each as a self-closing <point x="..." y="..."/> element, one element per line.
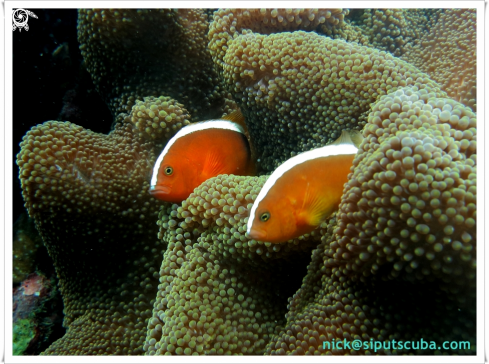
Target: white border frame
<point x="6" y="180"/>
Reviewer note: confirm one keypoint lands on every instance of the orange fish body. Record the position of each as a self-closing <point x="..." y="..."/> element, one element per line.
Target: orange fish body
<point x="302" y="192"/>
<point x="198" y="152"/>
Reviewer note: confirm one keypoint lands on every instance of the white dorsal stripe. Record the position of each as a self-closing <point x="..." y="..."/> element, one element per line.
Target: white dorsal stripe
<point x="189" y="129"/>
<point x="327" y="151"/>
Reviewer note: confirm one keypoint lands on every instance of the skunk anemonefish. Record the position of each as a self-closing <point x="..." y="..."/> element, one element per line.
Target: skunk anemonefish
<point x="303" y="191"/>
<point x="198" y="152"/>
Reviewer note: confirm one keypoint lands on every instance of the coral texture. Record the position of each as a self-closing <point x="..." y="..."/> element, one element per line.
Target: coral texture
<point x="158" y="118"/>
<point x="88" y="194"/>
<point x="299" y="90"/>
<point x="414" y="185"/>
<point x="439" y="42"/>
<point x="392" y="29"/>
<point x="220" y="292"/>
<point x="447" y="52"/>
<point x="25" y="248"/>
<point x="227" y="24"/>
<point x="396" y="262"/>
<point x="405" y="233"/>
<point x="132" y="54"/>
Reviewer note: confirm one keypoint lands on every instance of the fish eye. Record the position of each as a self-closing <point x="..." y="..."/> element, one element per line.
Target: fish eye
<point x="168" y="171"/>
<point x="265" y="216"/>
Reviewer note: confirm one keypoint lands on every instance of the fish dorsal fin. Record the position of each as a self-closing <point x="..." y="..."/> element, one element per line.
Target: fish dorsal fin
<point x="213" y="164"/>
<point x="356" y="137"/>
<point x="353" y="137"/>
<point x="238" y="118"/>
<point x="314" y="209"/>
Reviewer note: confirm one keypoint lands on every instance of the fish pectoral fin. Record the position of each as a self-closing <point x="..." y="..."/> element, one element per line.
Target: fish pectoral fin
<point x="213" y="164"/>
<point x="315" y="207"/>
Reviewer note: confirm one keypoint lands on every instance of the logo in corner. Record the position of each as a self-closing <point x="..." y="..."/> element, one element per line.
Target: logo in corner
<point x="20" y="18"/>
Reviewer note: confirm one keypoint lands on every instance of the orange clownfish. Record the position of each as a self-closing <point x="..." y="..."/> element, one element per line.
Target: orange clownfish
<point x="198" y="152"/>
<point x="303" y="191"/>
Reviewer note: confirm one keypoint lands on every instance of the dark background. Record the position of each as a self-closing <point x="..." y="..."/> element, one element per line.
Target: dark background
<point x="50" y="82"/>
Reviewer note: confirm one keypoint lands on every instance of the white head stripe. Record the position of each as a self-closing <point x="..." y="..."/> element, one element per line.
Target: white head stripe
<point x="189" y="129"/>
<point x="327" y="151"/>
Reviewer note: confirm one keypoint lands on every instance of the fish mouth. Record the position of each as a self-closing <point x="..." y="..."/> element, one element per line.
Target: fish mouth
<point x="159" y="191"/>
<point x="257" y="234"/>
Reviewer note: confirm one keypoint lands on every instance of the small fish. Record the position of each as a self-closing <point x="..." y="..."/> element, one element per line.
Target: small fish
<point x="198" y="152"/>
<point x="303" y="191"/>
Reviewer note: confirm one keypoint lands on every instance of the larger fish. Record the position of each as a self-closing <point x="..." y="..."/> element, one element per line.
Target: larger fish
<point x="303" y="191"/>
<point x="198" y="152"/>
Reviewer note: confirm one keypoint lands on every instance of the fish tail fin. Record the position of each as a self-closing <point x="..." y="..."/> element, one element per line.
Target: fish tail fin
<point x="353" y="137"/>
